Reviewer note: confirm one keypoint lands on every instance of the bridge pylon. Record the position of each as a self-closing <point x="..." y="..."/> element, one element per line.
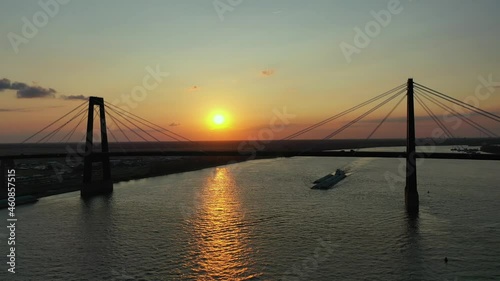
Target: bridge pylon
<point x="90" y="188"/>
<point x="411" y="193"/>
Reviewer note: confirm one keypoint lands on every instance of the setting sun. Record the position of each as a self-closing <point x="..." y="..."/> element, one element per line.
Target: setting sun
<point x="219" y="119"/>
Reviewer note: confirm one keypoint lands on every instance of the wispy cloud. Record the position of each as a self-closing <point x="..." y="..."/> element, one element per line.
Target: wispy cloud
<point x="13" y="110"/>
<point x="267" y="72"/>
<point x="74" y="97"/>
<point x="193" y="89"/>
<point x="30" y="109"/>
<point x="174" y="124"/>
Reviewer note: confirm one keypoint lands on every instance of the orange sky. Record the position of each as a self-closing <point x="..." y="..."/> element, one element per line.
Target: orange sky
<point x="247" y="65"/>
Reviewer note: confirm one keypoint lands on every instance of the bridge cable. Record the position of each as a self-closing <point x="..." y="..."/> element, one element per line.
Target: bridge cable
<point x="464" y="118"/>
<point x="436" y="119"/>
<point x="135" y="118"/>
<point x="84" y="137"/>
<point x="53" y="133"/>
<point x="128" y="120"/>
<point x="114" y="121"/>
<point x="460" y="103"/>
<point x="76" y="108"/>
<point x="122" y="132"/>
<point x="448" y="133"/>
<point x="115" y="138"/>
<point x="331" y="135"/>
<point x="336" y="116"/>
<point x="130" y="129"/>
<point x="68" y="136"/>
<point x="147" y="125"/>
<point x="385" y="118"/>
<point x="156" y="130"/>
<point x="158" y="126"/>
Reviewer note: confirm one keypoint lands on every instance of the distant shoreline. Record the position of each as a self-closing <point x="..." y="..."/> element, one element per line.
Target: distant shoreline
<point x="245" y="146"/>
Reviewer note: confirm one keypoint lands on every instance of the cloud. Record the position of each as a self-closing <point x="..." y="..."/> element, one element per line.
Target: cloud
<point x="4" y="84"/>
<point x="30" y="109"/>
<point x="73" y="97"/>
<point x="267" y="72"/>
<point x="18" y="86"/>
<point x="25" y="91"/>
<point x="12" y="109"/>
<point x="35" y="92"/>
<point x="174" y="124"/>
<point x="17" y="109"/>
<point x="194" y="88"/>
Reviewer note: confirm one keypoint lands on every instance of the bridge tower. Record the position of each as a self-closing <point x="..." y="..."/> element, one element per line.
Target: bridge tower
<point x="411" y="193"/>
<point x="90" y="188"/>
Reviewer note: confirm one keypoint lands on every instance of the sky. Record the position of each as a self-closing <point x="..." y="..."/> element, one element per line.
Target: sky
<point x="179" y="63"/>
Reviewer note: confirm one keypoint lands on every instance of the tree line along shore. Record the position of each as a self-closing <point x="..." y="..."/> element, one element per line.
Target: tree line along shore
<point x="45" y="177"/>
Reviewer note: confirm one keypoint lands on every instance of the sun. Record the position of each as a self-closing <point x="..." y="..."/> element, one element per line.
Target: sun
<point x="219" y="119"/>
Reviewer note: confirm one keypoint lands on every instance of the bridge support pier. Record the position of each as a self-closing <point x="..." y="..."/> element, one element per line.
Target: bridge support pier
<point x="411" y="193"/>
<point x="105" y="186"/>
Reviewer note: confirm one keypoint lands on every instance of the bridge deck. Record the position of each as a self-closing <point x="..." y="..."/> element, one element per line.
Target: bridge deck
<point x="369" y="154"/>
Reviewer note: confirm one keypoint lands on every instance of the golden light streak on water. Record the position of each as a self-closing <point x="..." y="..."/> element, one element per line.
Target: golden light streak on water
<point x="221" y="250"/>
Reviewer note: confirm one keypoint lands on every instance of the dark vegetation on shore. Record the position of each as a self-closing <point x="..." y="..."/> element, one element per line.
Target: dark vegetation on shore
<point x="495" y="149"/>
<point x="245" y="146"/>
<point x="44" y="177"/>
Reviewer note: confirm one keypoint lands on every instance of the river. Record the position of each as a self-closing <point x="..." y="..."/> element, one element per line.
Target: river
<point x="259" y="220"/>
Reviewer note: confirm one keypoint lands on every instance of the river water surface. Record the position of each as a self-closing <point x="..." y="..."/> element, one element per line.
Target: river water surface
<point x="259" y="220"/>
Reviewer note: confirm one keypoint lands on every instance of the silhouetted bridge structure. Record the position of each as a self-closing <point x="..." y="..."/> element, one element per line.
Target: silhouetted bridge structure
<point x="406" y="91"/>
<point x="98" y="156"/>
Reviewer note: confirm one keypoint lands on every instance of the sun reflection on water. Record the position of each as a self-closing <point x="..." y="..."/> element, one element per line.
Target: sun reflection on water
<point x="220" y="248"/>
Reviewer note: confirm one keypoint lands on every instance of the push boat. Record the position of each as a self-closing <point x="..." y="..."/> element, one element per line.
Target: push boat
<point x="329" y="180"/>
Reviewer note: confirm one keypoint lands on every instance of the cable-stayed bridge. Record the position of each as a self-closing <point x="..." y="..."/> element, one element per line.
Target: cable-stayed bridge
<point x="127" y="126"/>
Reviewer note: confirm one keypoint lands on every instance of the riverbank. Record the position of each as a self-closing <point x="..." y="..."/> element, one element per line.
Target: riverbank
<point x="36" y="180"/>
<point x="495" y="149"/>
